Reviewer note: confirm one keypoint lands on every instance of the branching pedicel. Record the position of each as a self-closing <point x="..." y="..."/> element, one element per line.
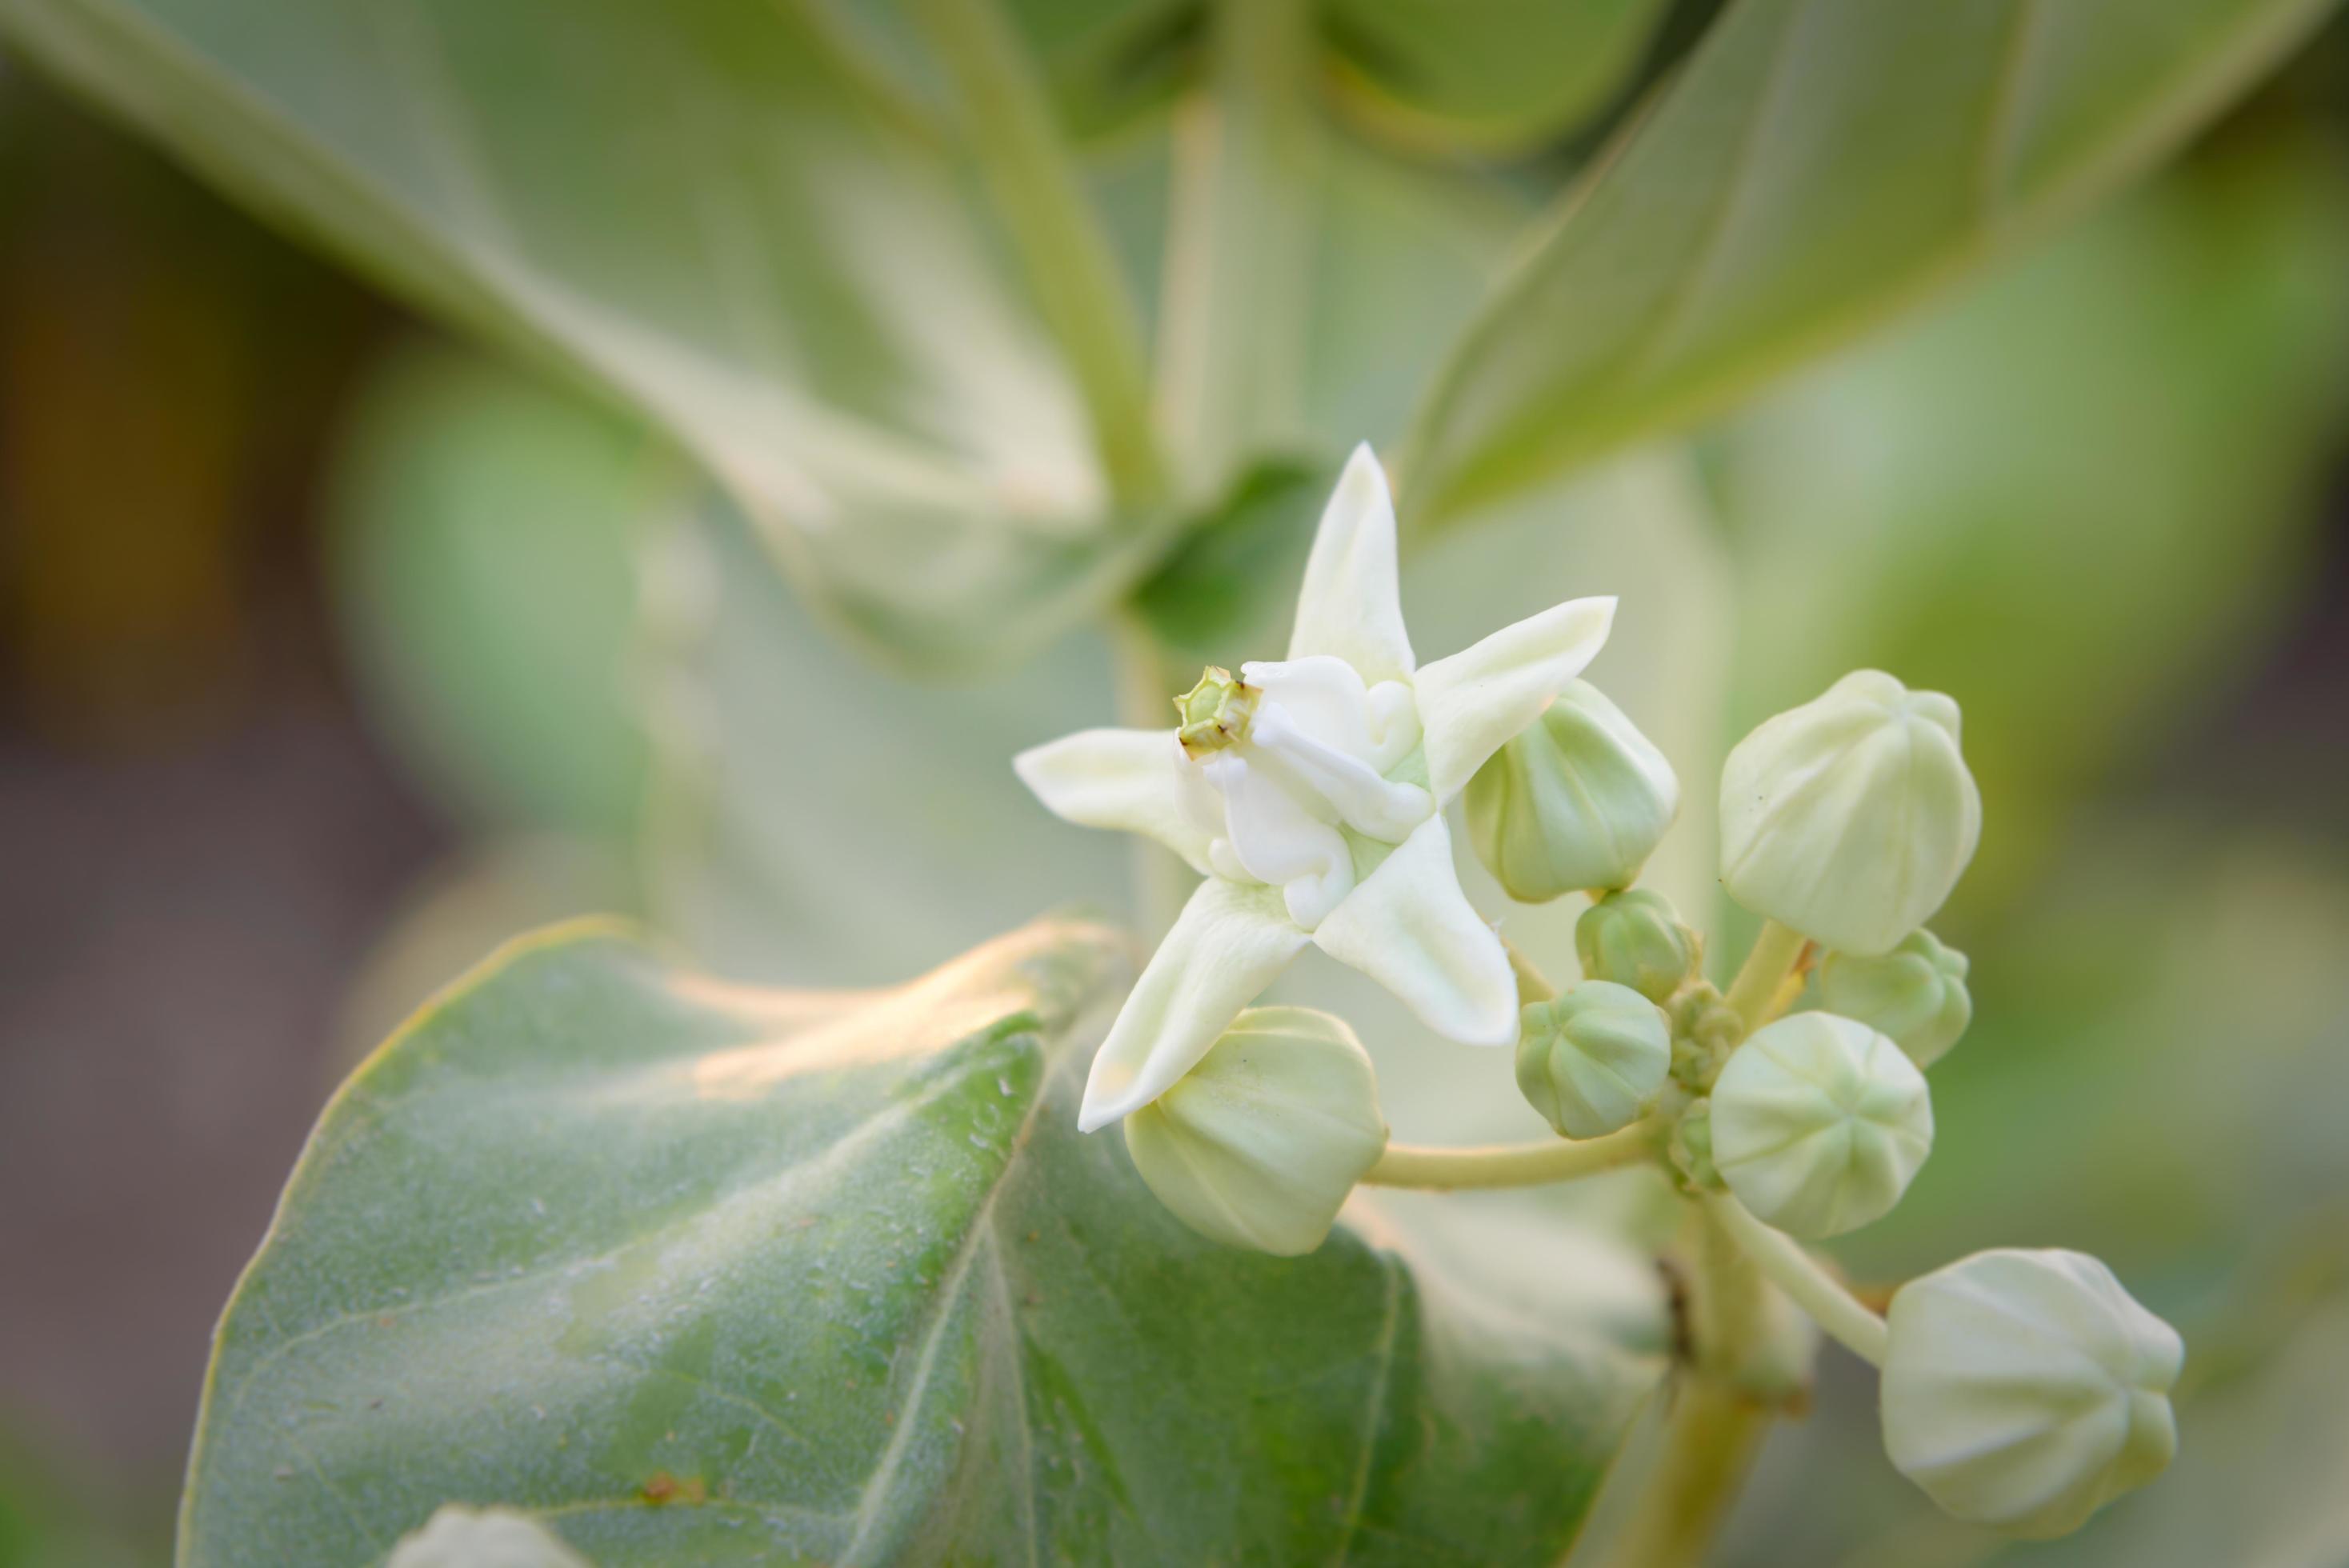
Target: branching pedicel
<point x="2021" y="1389"/>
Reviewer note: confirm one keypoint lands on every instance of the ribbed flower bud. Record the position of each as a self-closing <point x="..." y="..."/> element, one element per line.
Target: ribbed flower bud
<point x="1259" y="1144"/>
<point x="1635" y="938"/>
<point x="1818" y="1124"/>
<point x="1588" y="1059"/>
<point x="2026" y="1390"/>
<point x="1916" y="994"/>
<point x="1578" y="800"/>
<point x="1851" y="818"/>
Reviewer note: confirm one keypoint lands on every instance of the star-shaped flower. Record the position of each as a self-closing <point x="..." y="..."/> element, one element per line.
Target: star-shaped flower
<point x="1311" y="794"/>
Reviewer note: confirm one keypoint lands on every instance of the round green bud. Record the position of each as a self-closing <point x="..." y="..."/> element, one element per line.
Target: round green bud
<point x="1588" y="1059"/>
<point x="1850" y="818"/>
<point x="1916" y="994"/>
<point x="1578" y="800"/>
<point x="1258" y="1145"/>
<point x="2026" y="1390"/>
<point x="1635" y="938"/>
<point x="1818" y="1124"/>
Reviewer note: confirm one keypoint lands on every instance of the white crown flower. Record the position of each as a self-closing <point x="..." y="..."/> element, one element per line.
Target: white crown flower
<point x="1311" y="792"/>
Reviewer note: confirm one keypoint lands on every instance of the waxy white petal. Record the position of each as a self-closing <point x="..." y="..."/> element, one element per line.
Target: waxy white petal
<point x="1351" y="602"/>
<point x="1473" y="703"/>
<point x="1409" y="927"/>
<point x="1328" y="699"/>
<point x="1343" y="784"/>
<point x="1129" y="779"/>
<point x="1231" y="941"/>
<point x="1278" y="841"/>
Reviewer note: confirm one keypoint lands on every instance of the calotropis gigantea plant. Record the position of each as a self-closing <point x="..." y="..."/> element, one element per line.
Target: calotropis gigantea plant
<point x="600" y="1248"/>
<point x="2021" y="1389"/>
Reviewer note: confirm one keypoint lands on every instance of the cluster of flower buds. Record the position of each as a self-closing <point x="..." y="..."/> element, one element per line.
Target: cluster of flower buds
<point x="2019" y="1389"/>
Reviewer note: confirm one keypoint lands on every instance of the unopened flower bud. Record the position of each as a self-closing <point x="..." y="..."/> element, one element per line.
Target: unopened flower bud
<point x="1578" y="800"/>
<point x="1258" y="1145"/>
<point x="1818" y="1124"/>
<point x="1635" y="938"/>
<point x="1916" y="994"/>
<point x="1851" y="818"/>
<point x="2026" y="1390"/>
<point x="1588" y="1059"/>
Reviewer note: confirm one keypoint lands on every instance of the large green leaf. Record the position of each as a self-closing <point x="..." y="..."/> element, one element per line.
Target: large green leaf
<point x="1815" y="164"/>
<point x="707" y="209"/>
<point x="699" y="1274"/>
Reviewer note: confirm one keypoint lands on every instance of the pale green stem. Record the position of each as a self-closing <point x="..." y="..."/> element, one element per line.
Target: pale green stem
<point x="1754" y="995"/>
<point x="1533" y="985"/>
<point x="1161" y="880"/>
<point x="1716" y="1424"/>
<point x="1793" y="1270"/>
<point x="1236" y="295"/>
<point x="1516" y="1164"/>
<point x="1709" y="1441"/>
<point x="1006" y="121"/>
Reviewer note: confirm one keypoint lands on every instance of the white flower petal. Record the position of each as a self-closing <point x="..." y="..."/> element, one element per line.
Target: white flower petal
<point x="1475" y="702"/>
<point x="1129" y="779"/>
<point x="1409" y="927"/>
<point x="1351" y="605"/>
<point x="1278" y="841"/>
<point x="1231" y="941"/>
<point x="1346" y="785"/>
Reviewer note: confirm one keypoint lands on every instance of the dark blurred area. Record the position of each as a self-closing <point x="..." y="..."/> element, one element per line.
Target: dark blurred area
<point x="200" y="841"/>
<point x="206" y="835"/>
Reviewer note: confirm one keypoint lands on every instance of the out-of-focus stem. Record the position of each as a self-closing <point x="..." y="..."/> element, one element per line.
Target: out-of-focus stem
<point x="1234" y="313"/>
<point x="1078" y="288"/>
<point x="1715" y="1428"/>
<point x="1709" y="1441"/>
<point x="1146" y="702"/>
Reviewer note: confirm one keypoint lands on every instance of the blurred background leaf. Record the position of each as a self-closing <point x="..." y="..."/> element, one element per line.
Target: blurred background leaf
<point x="485" y="558"/>
<point x="2071" y="499"/>
<point x="700" y="209"/>
<point x="1815" y="165"/>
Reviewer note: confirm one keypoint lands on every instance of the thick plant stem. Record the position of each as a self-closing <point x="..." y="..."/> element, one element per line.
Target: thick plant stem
<point x="1718" y="1417"/>
<point x="1516" y="1164"/>
<point x="1709" y="1441"/>
<point x="1754" y="995"/>
<point x="1795" y="1272"/>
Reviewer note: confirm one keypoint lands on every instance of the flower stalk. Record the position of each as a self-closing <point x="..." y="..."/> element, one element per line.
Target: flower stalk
<point x="1754" y="994"/>
<point x="1516" y="1164"/>
<point x="1792" y="1269"/>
